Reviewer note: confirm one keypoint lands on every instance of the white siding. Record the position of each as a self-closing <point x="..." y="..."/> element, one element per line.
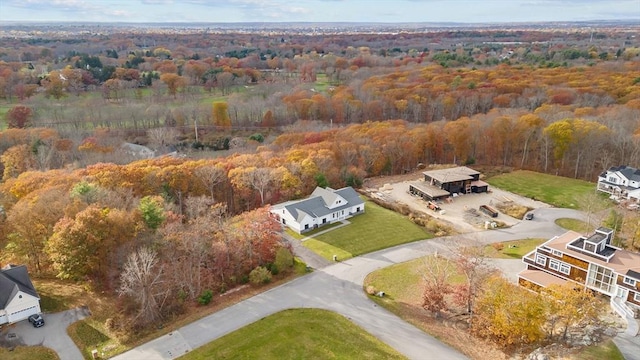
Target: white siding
<point x="21" y="306"/>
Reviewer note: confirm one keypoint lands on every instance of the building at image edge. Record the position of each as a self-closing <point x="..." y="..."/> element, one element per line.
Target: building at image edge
<point x="18" y="296"/>
<point x="591" y="261"/>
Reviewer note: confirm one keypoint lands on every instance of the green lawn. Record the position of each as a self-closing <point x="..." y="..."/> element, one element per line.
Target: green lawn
<point x="513" y="249"/>
<point x="88" y="335"/>
<point x="555" y="190"/>
<point x="297" y="334"/>
<point x="575" y="225"/>
<point x="326" y="250"/>
<point x="607" y="350"/>
<point x="402" y="282"/>
<point x="28" y="353"/>
<point x="378" y="228"/>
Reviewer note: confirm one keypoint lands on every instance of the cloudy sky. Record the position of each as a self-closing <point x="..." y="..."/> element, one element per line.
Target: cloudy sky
<point x="469" y="11"/>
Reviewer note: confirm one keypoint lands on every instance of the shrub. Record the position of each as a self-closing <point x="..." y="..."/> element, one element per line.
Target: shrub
<point x="371" y="290"/>
<point x="260" y="275"/>
<point x="284" y="260"/>
<point x="273" y="268"/>
<point x="205" y="297"/>
<point x="498" y="246"/>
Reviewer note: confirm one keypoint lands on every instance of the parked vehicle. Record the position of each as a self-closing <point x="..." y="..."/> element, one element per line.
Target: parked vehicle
<point x="36" y="320"/>
<point x="528" y="216"/>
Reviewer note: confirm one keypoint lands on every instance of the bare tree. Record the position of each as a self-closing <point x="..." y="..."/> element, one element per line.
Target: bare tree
<point x="162" y="136"/>
<point x="472" y="263"/>
<point x="210" y="176"/>
<point x="436" y="274"/>
<point x="142" y="280"/>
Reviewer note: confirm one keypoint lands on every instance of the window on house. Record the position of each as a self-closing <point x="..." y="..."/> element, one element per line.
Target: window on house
<point x="554" y="265"/>
<point x="612" y="179"/>
<point x="629" y="281"/>
<point x="601" y="278"/>
<point x="556" y="252"/>
<point x="636" y="297"/>
<point x="565" y="269"/>
<point x="541" y="260"/>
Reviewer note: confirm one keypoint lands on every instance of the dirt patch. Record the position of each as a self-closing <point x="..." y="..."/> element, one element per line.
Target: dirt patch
<point x="513" y="209"/>
<point x="460" y="212"/>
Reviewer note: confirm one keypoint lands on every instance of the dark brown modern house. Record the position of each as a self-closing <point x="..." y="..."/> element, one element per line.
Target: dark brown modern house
<point x="591" y="261"/>
<point x="439" y="184"/>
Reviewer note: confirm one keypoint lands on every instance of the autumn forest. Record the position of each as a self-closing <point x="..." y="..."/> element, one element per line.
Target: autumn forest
<point x="237" y="121"/>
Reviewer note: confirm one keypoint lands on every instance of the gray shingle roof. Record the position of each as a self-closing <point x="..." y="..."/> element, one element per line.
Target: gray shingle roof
<point x="12" y="280"/>
<point x="316" y="204"/>
<point x="628" y="172"/>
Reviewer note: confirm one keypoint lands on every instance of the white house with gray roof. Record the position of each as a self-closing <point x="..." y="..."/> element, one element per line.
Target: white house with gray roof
<point x="622" y="182"/>
<point x="322" y="207"/>
<point x="18" y="297"/>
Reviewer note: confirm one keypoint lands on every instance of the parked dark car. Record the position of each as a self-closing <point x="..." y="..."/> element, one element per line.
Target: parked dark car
<point x="529" y="216"/>
<point x="36" y="320"/>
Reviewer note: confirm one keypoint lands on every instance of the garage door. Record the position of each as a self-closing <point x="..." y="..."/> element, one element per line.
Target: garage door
<point x="22" y="314"/>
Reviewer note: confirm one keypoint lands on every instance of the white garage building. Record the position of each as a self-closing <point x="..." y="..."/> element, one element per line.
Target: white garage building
<point x="18" y="297"/>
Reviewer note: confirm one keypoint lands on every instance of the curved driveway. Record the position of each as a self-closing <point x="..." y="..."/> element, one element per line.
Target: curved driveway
<point x="338" y="287"/>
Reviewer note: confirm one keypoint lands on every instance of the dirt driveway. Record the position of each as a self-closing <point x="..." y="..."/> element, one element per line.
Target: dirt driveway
<point x="52" y="335"/>
<point x="462" y="212"/>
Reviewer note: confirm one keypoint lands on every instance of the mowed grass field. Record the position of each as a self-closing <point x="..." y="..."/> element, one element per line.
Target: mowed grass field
<point x="297" y="334"/>
<point x="513" y="249"/>
<point x="378" y="228"/>
<point x="402" y="283"/>
<point x="554" y="190"/>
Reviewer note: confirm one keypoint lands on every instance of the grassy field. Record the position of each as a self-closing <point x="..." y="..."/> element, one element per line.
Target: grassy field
<point x="402" y="282"/>
<point x="607" y="350"/>
<point x="513" y="249"/>
<point x="297" y="334"/>
<point x="28" y="353"/>
<point x="376" y="229"/>
<point x="575" y="225"/>
<point x="89" y="334"/>
<point x="555" y="190"/>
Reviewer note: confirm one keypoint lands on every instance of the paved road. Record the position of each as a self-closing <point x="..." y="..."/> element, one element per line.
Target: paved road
<point x="338" y="287"/>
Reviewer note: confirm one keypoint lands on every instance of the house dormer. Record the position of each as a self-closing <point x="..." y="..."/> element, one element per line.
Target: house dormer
<point x="331" y="199"/>
<point x="596" y="245"/>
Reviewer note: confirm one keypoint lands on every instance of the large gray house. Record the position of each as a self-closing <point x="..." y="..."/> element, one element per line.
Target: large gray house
<point x="322" y="207"/>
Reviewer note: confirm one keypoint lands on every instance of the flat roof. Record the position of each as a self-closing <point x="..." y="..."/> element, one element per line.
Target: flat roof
<point x="621" y="262"/>
<point x="541" y="278"/>
<point x="432" y="191"/>
<point x="459" y="173"/>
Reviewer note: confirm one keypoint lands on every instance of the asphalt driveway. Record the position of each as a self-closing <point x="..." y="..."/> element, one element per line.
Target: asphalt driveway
<point x="52" y="335"/>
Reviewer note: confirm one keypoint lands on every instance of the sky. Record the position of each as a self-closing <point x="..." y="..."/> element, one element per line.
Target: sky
<point x="386" y="11"/>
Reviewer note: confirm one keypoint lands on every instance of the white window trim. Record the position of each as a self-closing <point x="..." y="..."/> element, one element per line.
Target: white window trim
<point x="565" y="268"/>
<point x="636" y="296"/>
<point x="554" y="264"/>
<point x="629" y="281"/>
<point x="541" y="259"/>
<point x="556" y="252"/>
